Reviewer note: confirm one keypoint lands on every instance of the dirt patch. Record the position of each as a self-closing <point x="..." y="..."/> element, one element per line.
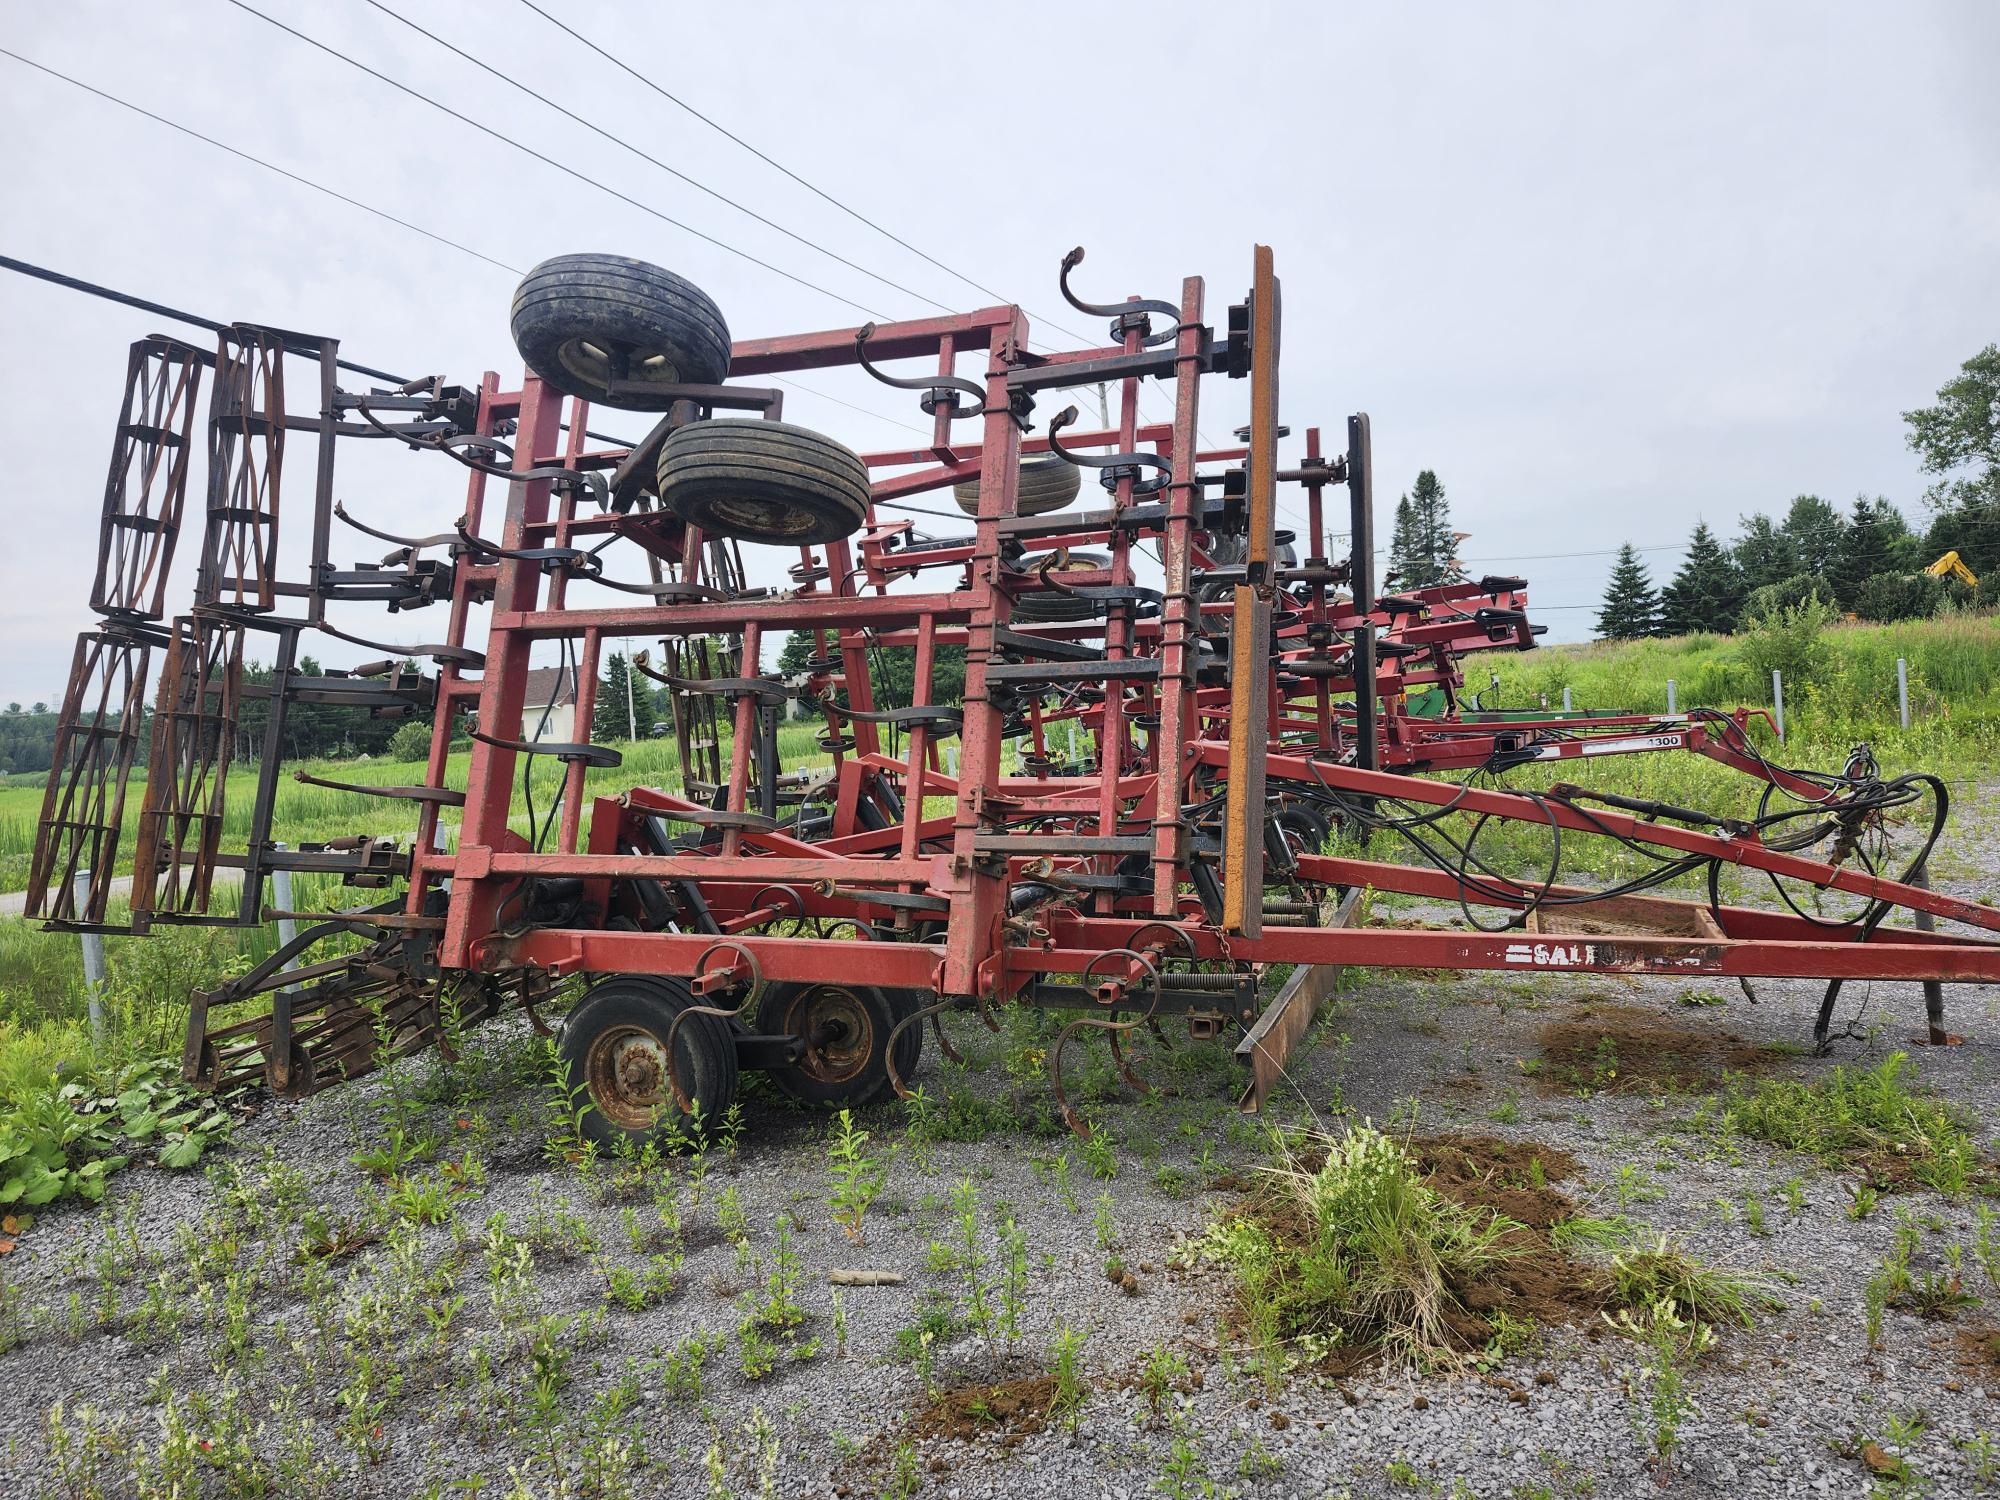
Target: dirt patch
<point x="1535" y="1283"/>
<point x="1007" y="1411"/>
<point x="1606" y="1047"/>
<point x="1512" y="1179"/>
<point x="1979" y="1352"/>
<point x="1509" y="1177"/>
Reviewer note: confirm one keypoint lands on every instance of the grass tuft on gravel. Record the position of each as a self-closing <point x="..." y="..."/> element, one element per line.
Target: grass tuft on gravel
<point x="1662" y="1271"/>
<point x="1355" y="1253"/>
<point x="1865" y="1118"/>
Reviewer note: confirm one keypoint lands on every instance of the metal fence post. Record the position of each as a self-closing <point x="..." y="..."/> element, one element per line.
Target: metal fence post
<point x="93" y="961"/>
<point x="1672" y="707"/>
<point x="1566" y="702"/>
<point x="1778" y="700"/>
<point x="281" y="892"/>
<point x="1903" y="691"/>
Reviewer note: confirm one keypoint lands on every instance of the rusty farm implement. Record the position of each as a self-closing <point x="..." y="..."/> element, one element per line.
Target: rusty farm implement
<point x="1171" y="710"/>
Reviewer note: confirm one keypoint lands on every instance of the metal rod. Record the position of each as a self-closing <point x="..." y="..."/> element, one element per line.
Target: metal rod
<point x="93" y="961"/>
<point x="281" y="893"/>
<point x="1923" y="921"/>
<point x="1778" y="700"/>
<point x="1903" y="691"/>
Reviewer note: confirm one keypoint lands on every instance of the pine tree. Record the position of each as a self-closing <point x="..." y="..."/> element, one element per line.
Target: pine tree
<point x="618" y="716"/>
<point x="1406" y="556"/>
<point x="1631" y="608"/>
<point x="1816" y="532"/>
<point x="1422" y="546"/>
<point x="1864" y="549"/>
<point x="1764" y="554"/>
<point x="1707" y="592"/>
<point x="1432" y="513"/>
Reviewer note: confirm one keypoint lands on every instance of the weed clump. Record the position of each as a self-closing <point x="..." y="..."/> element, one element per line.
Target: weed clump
<point x="1865" y="1118"/>
<point x="1357" y="1253"/>
<point x="1647" y="1275"/>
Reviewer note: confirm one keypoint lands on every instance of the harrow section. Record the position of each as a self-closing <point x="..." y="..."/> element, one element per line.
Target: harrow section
<point x="1171" y="708"/>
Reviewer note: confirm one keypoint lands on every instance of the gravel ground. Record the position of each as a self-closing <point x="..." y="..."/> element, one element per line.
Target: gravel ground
<point x="261" y="1358"/>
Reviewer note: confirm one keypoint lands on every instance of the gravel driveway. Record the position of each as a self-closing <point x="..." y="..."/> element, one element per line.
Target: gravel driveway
<point x="186" y="1312"/>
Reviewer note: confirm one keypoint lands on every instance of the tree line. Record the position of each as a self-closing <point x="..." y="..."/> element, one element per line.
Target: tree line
<point x="1868" y="562"/>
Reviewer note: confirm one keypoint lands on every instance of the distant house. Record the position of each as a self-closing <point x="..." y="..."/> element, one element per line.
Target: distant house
<point x="548" y="711"/>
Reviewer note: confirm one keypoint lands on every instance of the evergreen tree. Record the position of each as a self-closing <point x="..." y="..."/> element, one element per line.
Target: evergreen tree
<point x="1816" y="533"/>
<point x="617" y="716"/>
<point x="1864" y="549"/>
<point x="1432" y="513"/>
<point x="1406" y="555"/>
<point x="1706" y="593"/>
<point x="1631" y="607"/>
<point x="1763" y="554"/>
<point x="1423" y="547"/>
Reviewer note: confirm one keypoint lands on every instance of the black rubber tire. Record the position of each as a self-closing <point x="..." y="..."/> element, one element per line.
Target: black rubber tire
<point x="577" y="318"/>
<point x="1047" y="606"/>
<point x="630" y="1096"/>
<point x="1046" y="484"/>
<point x="763" y="482"/>
<point x="852" y="1069"/>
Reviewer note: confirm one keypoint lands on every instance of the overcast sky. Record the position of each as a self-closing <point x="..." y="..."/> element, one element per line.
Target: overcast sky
<point x="1607" y="269"/>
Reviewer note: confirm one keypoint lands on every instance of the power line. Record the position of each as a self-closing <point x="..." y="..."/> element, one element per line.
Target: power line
<point x="57" y="278"/>
<point x="1594" y="552"/>
<point x="812" y="188"/>
<point x="591" y="125"/>
<point x="546" y="160"/>
<point x="257" y="160"/>
<point x="583" y="177"/>
<point x="769" y="161"/>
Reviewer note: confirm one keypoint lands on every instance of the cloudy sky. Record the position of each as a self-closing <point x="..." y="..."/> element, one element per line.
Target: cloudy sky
<point x="1608" y="270"/>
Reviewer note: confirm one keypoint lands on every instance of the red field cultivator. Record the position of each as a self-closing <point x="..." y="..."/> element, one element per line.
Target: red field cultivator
<point x="1170" y="709"/>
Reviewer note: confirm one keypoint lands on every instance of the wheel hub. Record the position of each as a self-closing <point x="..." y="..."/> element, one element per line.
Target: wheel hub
<point x="838" y="1031"/>
<point x="626" y="1071"/>
<point x="600" y="363"/>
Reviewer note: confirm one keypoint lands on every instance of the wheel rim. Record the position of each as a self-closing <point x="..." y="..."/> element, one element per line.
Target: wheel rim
<point x="839" y="1029"/>
<point x="626" y="1073"/>
<point x="744" y="515"/>
<point x="598" y="362"/>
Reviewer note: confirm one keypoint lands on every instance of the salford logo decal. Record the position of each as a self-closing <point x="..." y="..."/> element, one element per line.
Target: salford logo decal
<point x="1551" y="955"/>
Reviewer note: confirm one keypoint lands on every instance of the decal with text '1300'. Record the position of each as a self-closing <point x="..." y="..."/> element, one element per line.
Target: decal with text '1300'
<point x="1547" y="955"/>
<point x="1615" y="747"/>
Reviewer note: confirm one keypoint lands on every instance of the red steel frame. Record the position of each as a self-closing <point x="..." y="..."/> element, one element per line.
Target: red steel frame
<point x="1112" y="851"/>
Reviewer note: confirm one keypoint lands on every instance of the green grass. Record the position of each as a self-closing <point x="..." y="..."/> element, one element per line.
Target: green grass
<point x="1866" y="1118"/>
<point x="1954" y="734"/>
<point x="1648" y="1272"/>
<point x="1356" y="1253"/>
<point x="1954" y="669"/>
<point x="311" y="814"/>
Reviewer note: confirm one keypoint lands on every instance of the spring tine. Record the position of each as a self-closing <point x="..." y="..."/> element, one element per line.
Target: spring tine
<point x="915" y="1018"/>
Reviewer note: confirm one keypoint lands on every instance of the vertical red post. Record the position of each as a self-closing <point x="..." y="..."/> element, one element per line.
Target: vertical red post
<point x="517" y="587"/>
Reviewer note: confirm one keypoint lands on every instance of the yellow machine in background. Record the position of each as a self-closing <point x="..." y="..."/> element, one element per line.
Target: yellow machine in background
<point x="1951" y="565"/>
